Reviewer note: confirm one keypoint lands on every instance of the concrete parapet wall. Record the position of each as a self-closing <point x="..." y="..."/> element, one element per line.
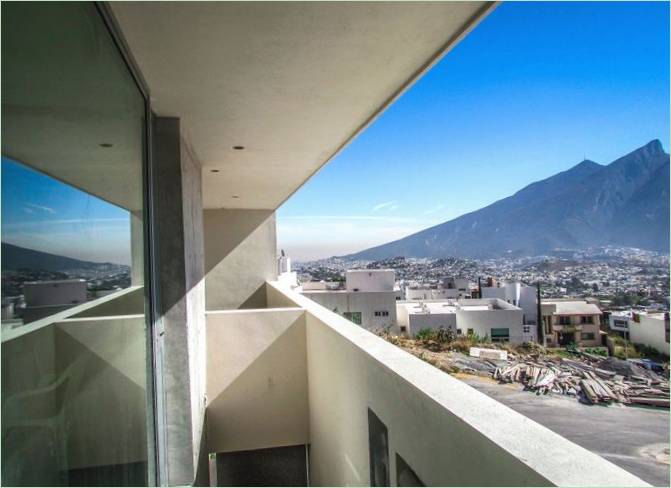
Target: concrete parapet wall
<point x="448" y="433"/>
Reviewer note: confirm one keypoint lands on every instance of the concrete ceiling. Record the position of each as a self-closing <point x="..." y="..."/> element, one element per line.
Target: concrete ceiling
<point x="291" y="82"/>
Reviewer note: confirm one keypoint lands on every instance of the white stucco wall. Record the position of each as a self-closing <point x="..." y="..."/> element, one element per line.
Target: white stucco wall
<point x="367" y="303"/>
<point x="518" y="294"/>
<point x="449" y="433"/>
<point x="417" y="322"/>
<point x="240" y="255"/>
<point x="433" y="294"/>
<point x="257" y="381"/>
<point x="527" y="302"/>
<point x="649" y="331"/>
<point x="482" y="322"/>
<point x="370" y="279"/>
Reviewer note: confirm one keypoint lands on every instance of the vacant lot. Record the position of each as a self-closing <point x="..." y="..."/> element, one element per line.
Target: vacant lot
<point x="634" y="438"/>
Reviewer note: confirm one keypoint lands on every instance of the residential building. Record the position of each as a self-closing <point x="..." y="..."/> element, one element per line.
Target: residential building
<point x="571" y="322"/>
<point x="646" y="328"/>
<point x="493" y="318"/>
<point x="516" y="293"/>
<point x="196" y="121"/>
<point x="284" y="273"/>
<point x="44" y="298"/>
<point x="619" y="322"/>
<point x="448" y="289"/>
<point x="368" y="298"/>
<point x="414" y="316"/>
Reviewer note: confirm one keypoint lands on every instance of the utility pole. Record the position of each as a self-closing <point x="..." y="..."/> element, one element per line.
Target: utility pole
<point x="626" y="342"/>
<point x="479" y="288"/>
<point x="540" y="329"/>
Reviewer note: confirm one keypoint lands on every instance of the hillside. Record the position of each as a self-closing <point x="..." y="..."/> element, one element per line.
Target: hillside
<point x="15" y="257"/>
<point x="624" y="203"/>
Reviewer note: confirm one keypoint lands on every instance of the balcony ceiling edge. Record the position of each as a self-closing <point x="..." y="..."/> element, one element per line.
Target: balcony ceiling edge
<point x="270" y="92"/>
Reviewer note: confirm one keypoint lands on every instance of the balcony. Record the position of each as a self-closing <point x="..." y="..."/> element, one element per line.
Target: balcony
<point x="567" y="328"/>
<point x="295" y="373"/>
<point x="74" y="395"/>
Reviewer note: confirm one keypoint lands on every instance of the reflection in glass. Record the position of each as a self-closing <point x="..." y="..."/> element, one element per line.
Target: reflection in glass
<point x="73" y="305"/>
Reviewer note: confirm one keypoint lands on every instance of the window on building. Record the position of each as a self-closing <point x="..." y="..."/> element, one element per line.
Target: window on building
<point x="564" y="320"/>
<point x="378" y="451"/>
<point x="458" y="331"/>
<point x="353" y="316"/>
<point x="585" y="319"/>
<point x="526" y="329"/>
<point x="587" y="336"/>
<point x="469" y="332"/>
<point x="404" y="329"/>
<point x="73" y="222"/>
<point x="382" y="313"/>
<point x="500" y="334"/>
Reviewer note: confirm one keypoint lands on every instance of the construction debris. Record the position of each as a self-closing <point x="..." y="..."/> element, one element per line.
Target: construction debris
<point x="591" y="381"/>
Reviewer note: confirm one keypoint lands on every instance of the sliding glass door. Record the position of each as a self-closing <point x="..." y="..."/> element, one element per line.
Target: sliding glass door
<point x="75" y="317"/>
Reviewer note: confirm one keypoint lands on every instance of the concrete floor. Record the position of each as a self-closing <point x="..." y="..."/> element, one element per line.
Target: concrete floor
<point x="636" y="439"/>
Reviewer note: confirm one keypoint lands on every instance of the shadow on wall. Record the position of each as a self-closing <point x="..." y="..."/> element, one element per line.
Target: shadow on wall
<point x="240" y="248"/>
<point x="257" y="379"/>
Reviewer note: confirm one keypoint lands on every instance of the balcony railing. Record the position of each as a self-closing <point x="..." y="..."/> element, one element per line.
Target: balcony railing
<point x="74" y="394"/>
<point x="297" y="373"/>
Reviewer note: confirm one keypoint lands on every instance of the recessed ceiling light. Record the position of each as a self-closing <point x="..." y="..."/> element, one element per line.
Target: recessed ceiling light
<point x="214" y="170"/>
<point x="238" y="148"/>
<point x="105" y="144"/>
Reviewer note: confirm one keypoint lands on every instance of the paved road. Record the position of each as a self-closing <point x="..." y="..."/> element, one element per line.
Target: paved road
<point x="636" y="439"/>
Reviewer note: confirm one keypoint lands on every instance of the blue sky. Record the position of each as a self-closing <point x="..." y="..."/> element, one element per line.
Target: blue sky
<point x="530" y="92"/>
<point x="39" y="212"/>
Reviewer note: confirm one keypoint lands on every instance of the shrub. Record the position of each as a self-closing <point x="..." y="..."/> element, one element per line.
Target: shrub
<point x="440" y="335"/>
<point x="424" y="334"/>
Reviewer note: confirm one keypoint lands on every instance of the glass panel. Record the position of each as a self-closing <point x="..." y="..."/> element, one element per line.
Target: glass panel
<point x="73" y="307"/>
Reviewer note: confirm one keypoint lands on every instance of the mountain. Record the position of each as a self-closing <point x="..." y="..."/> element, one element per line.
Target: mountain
<point x="15" y="257"/>
<point x="624" y="203"/>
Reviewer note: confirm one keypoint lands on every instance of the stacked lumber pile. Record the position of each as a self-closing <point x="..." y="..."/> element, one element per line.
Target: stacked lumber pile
<point x="584" y="380"/>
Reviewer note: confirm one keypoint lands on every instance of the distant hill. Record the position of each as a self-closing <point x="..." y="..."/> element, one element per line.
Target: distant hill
<point x="624" y="203"/>
<point x="15" y="257"/>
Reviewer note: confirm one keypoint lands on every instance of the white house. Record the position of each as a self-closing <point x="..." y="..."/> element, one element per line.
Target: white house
<point x="649" y="329"/>
<point x="415" y="316"/>
<point x="44" y="298"/>
<point x="518" y="294"/>
<point x="450" y="289"/>
<point x="367" y="299"/>
<point x="492" y="317"/>
<point x="619" y="321"/>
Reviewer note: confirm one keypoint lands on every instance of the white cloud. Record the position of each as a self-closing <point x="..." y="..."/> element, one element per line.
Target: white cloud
<point x="42" y="208"/>
<point x="380" y="206"/>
